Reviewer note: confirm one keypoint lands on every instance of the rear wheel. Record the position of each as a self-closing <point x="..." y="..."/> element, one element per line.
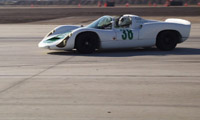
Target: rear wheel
<point x="167" y="40"/>
<point x="86" y="43"/>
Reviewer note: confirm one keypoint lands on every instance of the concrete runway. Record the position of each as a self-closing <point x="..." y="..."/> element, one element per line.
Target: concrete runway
<point x="136" y="84"/>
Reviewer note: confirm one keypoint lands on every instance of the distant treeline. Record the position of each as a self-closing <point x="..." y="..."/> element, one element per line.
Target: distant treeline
<point x="89" y="2"/>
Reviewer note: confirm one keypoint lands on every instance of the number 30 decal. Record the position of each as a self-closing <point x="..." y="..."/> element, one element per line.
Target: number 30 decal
<point x="127" y="34"/>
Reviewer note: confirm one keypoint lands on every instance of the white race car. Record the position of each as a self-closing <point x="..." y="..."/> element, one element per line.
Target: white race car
<point x="126" y="31"/>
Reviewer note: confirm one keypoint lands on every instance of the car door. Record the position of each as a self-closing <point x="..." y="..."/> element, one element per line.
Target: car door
<point x="126" y="37"/>
<point x="126" y="34"/>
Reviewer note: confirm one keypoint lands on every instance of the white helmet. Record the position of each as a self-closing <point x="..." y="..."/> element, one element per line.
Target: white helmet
<point x="125" y="21"/>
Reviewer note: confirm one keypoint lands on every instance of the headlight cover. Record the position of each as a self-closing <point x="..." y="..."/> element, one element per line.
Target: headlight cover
<point x="58" y="37"/>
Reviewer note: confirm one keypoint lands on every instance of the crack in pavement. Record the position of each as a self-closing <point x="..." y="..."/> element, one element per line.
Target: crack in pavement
<point x="102" y="104"/>
<point x="26" y="79"/>
<point x="113" y="76"/>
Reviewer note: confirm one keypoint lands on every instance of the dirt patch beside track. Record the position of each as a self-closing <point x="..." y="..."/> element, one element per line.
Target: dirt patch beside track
<point x="27" y="14"/>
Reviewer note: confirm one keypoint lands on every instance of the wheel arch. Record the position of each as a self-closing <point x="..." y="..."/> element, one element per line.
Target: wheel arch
<point x="170" y="30"/>
<point x="89" y="32"/>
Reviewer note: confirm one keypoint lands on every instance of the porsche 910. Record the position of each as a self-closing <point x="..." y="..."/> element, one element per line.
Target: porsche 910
<point x="126" y="31"/>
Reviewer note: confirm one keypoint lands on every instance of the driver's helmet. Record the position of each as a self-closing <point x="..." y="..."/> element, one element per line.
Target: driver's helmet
<point x="125" y="21"/>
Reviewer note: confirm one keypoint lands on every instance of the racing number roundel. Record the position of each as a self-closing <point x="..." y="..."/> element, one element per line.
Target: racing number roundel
<point x="127" y="34"/>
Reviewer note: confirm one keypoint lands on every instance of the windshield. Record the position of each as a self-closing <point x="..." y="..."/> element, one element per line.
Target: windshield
<point x="104" y="22"/>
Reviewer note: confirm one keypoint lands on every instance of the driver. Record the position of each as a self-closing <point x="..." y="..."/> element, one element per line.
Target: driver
<point x="124" y="21"/>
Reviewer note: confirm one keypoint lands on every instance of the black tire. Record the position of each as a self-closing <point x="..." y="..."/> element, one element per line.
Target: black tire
<point x="167" y="40"/>
<point x="86" y="43"/>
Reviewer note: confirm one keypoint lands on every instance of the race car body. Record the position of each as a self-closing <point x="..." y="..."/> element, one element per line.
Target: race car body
<point x="126" y="31"/>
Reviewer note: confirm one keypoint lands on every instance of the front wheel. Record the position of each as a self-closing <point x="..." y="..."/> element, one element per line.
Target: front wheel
<point x="86" y="43"/>
<point x="167" y="40"/>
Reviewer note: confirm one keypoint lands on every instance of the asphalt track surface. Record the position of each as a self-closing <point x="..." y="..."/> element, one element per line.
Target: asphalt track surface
<point x="28" y="14"/>
<point x="133" y="84"/>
